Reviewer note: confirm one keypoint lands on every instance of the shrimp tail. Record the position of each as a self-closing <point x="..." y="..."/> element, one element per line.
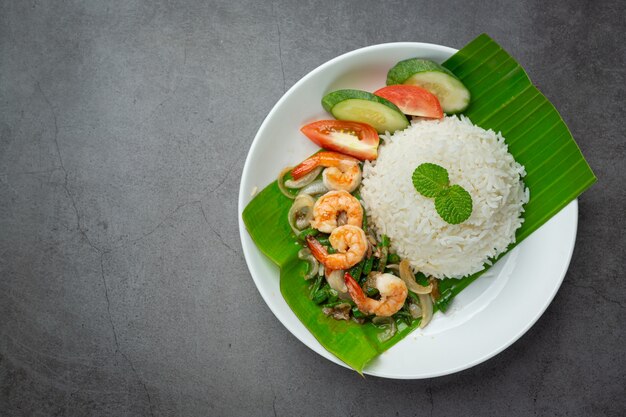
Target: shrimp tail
<point x="305" y="167"/>
<point x="317" y="249"/>
<point x="354" y="289"/>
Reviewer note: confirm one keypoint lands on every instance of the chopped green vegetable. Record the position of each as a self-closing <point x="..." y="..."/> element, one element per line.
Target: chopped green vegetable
<point x="324" y="241"/>
<point x="320" y="296"/>
<point x="413" y="297"/>
<point x="371" y="292"/>
<point x="335" y="303"/>
<point x="358" y="313"/>
<point x="367" y="266"/>
<point x="315" y="287"/>
<point x="393" y="258"/>
<point x="364" y="219"/>
<point x="421" y="279"/>
<point x="308" y="232"/>
<point x="403" y="316"/>
<point x="357" y="270"/>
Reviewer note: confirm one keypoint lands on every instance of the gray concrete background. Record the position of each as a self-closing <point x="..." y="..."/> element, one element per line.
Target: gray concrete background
<point x="123" y="130"/>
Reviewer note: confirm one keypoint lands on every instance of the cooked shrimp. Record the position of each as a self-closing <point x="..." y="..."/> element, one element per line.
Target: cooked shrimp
<point x="349" y="242"/>
<point x="392" y="291"/>
<point x="342" y="172"/>
<point x="331" y="205"/>
<point x="347" y="179"/>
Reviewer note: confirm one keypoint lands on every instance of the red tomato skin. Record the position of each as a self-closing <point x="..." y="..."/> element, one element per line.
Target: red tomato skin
<point x="330" y="135"/>
<point x="412" y="100"/>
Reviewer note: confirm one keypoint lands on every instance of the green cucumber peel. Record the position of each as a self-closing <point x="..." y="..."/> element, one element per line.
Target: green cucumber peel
<point x="331" y="99"/>
<point x="405" y="69"/>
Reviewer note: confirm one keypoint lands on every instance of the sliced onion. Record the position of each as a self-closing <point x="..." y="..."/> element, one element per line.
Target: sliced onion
<point x="395" y="267"/>
<point x="389" y="324"/>
<point x="315" y="188"/>
<point x="305" y="180"/>
<point x="427" y="309"/>
<point x="281" y="185"/>
<point x="337" y="283"/>
<point x="434" y="294"/>
<point x="321" y="270"/>
<point x="306" y="255"/>
<point x="415" y="310"/>
<point x="409" y="279"/>
<point x="302" y="202"/>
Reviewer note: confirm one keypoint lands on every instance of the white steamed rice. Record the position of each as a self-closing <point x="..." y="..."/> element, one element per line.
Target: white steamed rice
<point x="476" y="159"/>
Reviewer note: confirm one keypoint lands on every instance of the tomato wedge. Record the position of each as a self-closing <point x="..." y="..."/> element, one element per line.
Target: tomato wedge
<point x="351" y="138"/>
<point x="412" y="100"/>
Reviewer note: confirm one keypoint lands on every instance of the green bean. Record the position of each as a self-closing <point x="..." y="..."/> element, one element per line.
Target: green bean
<point x="367" y="266"/>
<point x="316" y="286"/>
<point x="308" y="232"/>
<point x="414" y="297"/>
<point x="324" y="241"/>
<point x="334" y="303"/>
<point x="320" y="296"/>
<point x="371" y="292"/>
<point x="358" y="313"/>
<point x="364" y="219"/>
<point x="356" y="271"/>
<point x="403" y="316"/>
<point x="375" y="263"/>
<point x="384" y="241"/>
<point x="421" y="279"/>
<point x="333" y="295"/>
<point x="393" y="258"/>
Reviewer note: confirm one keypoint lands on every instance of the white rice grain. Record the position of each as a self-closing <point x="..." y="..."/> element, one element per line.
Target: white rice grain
<point x="476" y="159"/>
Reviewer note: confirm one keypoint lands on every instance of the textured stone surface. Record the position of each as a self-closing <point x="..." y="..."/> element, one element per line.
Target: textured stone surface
<point x="123" y="130"/>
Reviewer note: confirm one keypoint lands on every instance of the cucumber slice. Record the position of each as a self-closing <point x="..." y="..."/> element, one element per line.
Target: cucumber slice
<point x="364" y="107"/>
<point x="453" y="96"/>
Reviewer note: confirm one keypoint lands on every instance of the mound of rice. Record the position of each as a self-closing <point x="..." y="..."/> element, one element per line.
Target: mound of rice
<point x="476" y="159"/>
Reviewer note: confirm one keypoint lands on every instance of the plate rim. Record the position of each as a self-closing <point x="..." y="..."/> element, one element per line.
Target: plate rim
<point x="243" y="195"/>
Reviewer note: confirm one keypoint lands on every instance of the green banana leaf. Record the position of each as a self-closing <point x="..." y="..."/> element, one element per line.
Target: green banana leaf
<point x="503" y="99"/>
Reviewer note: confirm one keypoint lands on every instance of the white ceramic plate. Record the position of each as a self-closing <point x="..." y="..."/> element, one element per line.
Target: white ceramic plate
<point x="493" y="312"/>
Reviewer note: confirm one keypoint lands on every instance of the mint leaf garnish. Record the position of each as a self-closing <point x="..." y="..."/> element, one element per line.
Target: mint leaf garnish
<point x="430" y="179"/>
<point x="454" y="205"/>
